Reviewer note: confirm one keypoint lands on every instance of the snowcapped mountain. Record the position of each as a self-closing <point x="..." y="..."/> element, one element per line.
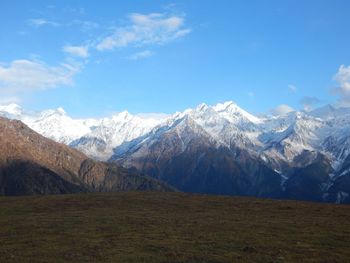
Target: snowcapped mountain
<point x="326" y="129"/>
<point x="202" y="139"/>
<point x="286" y="137"/>
<point x="56" y="125"/>
<point x="108" y="133"/>
<point x="32" y="164"/>
<point x="303" y="148"/>
<point x="230" y="111"/>
<point x="53" y="124"/>
<point x="11" y="110"/>
<point x="189" y="153"/>
<point x="95" y="137"/>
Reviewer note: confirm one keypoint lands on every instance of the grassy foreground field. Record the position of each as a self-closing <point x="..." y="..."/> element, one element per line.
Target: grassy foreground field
<point x="170" y="227"/>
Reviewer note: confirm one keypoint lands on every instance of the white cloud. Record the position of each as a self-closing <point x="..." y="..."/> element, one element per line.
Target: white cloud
<point x="141" y="55"/>
<point x="28" y="75"/>
<point x="42" y="22"/>
<point x="309" y="102"/>
<point x="282" y="109"/>
<point x="78" y="51"/>
<point x="343" y="79"/>
<point x="292" y="88"/>
<point x="142" y="29"/>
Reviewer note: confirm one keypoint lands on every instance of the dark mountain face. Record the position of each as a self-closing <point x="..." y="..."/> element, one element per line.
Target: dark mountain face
<point x="197" y="165"/>
<point x="185" y="155"/>
<point x="204" y="168"/>
<point x="19" y="177"/>
<point x="338" y="190"/>
<point x="116" y="178"/>
<point x="309" y="182"/>
<point x="213" y="171"/>
<point x="33" y="164"/>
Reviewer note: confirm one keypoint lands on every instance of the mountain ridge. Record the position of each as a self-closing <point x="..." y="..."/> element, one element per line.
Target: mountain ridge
<point x="33" y="164"/>
<point x="283" y="143"/>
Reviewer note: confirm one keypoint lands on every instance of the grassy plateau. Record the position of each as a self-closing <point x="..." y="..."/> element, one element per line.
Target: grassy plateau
<point x="170" y="227"/>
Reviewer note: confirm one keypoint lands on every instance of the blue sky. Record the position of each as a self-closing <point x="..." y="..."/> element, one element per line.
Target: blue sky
<point x="97" y="57"/>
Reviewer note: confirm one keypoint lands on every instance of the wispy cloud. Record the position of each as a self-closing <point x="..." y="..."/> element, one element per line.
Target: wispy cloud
<point x="343" y="90"/>
<point x="282" y="109"/>
<point x="78" y="51"/>
<point x="141" y="55"/>
<point x="85" y="25"/>
<point x="42" y="22"/>
<point x="30" y="75"/>
<point x="309" y="102"/>
<point x="154" y="28"/>
<point x="292" y="88"/>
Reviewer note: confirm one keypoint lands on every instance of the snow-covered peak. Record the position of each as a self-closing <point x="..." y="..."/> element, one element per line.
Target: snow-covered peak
<point x="12" y="109"/>
<point x="234" y="113"/>
<point x="201" y="107"/>
<point x="61" y="110"/>
<point x="122" y="116"/>
<point x="57" y="125"/>
<point x="53" y="113"/>
<point x="223" y="106"/>
<point x="208" y="119"/>
<point x="228" y="110"/>
<point x="324" y="129"/>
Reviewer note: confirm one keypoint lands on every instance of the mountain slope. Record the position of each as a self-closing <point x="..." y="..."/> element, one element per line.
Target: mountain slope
<point x="187" y="156"/>
<point x="94" y="137"/>
<point x="216" y="146"/>
<point x="108" y="133"/>
<point x="31" y="163"/>
<point x="19" y="177"/>
<point x="224" y="150"/>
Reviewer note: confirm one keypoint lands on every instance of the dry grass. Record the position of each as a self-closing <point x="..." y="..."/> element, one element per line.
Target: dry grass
<point x="170" y="227"/>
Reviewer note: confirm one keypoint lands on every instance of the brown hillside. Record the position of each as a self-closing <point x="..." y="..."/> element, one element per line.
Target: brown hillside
<point x="20" y="145"/>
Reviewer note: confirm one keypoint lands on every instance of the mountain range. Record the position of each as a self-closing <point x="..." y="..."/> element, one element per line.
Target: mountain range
<point x="33" y="164"/>
<point x="220" y="149"/>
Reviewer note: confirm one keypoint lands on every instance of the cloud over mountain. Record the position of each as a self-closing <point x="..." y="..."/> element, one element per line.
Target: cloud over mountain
<point x="282" y="109"/>
<point x="309" y="102"/>
<point x="343" y="79"/>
